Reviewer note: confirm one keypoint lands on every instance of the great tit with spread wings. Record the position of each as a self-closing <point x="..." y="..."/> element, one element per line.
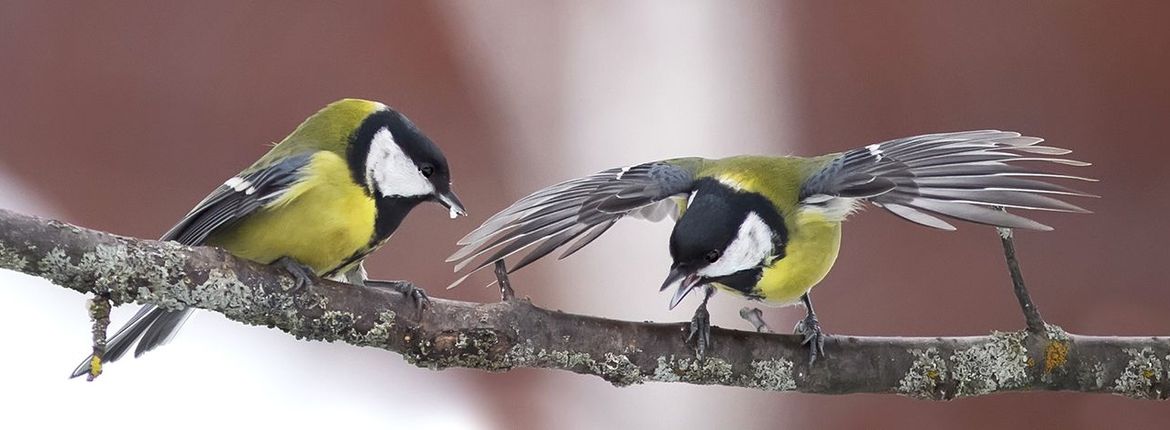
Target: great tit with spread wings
<point x="316" y="204"/>
<point x="769" y="228"/>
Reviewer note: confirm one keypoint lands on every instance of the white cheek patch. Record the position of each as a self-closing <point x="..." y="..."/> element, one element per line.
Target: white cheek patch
<point x="391" y="171"/>
<point x="752" y="245"/>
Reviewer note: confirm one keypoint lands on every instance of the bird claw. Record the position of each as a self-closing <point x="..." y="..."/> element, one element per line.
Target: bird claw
<point x="406" y="288"/>
<point x="700" y="332"/>
<point x="303" y="275"/>
<point x="810" y="328"/>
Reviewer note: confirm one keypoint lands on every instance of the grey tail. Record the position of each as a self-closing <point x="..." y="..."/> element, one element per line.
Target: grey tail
<point x="153" y="325"/>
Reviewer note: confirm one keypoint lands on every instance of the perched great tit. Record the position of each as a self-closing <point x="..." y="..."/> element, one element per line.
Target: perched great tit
<point x="316" y="204"/>
<point x="769" y="228"/>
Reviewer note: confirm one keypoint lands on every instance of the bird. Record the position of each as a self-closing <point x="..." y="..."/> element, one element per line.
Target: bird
<point x="768" y="229"/>
<point x="316" y="204"/>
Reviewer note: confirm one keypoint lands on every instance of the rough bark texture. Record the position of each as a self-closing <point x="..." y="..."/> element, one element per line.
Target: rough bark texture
<point x="514" y="333"/>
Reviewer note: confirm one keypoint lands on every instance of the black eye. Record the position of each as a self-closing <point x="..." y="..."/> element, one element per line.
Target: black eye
<point x="427" y="170"/>
<point x="713" y="255"/>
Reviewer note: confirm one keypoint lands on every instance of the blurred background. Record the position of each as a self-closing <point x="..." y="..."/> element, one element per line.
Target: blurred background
<point x="120" y="115"/>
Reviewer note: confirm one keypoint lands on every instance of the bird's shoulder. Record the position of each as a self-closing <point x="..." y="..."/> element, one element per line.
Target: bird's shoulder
<point x="777" y="178"/>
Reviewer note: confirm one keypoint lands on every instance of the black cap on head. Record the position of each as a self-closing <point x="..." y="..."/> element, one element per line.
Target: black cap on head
<point x="423" y="154"/>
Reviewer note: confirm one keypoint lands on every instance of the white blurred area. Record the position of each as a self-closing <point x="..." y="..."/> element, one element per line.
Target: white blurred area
<point x="577" y="87"/>
<point x="215" y="374"/>
<point x="634" y="81"/>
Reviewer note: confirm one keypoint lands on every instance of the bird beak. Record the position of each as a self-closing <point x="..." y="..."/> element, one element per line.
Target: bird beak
<point x="686" y="282"/>
<point x="452" y="203"/>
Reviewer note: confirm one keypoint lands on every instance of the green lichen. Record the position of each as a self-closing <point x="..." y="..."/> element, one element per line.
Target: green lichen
<point x="664" y="372"/>
<point x="223" y="290"/>
<point x="926" y="375"/>
<point x="55" y="267"/>
<point x="999" y="364"/>
<point x="1056" y="333"/>
<point x="1141" y="376"/>
<point x="379" y="334"/>
<point x="342" y="325"/>
<point x="159" y="271"/>
<point x="772" y="375"/>
<point x="619" y="370"/>
<point x="107" y="265"/>
<point x="10" y="259"/>
<point x="694" y="371"/>
<point x="526" y="355"/>
<point x="477" y="349"/>
<point x="332" y="325"/>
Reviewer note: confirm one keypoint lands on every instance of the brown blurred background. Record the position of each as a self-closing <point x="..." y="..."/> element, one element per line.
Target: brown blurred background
<point x="121" y="115"/>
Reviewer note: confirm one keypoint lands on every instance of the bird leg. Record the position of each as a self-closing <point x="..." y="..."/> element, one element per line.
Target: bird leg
<point x="357" y="276"/>
<point x="810" y="328"/>
<point x="700" y="333"/>
<point x="756" y="317"/>
<point x="302" y="274"/>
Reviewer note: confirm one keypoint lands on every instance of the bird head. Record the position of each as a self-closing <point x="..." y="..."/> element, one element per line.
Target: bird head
<point x="390" y="156"/>
<point x="725" y="236"/>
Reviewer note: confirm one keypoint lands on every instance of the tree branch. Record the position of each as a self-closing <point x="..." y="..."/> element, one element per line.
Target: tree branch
<point x="1034" y="322"/>
<point x="511" y="334"/>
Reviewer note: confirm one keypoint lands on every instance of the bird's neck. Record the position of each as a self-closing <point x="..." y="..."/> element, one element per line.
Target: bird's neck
<point x="391" y="212"/>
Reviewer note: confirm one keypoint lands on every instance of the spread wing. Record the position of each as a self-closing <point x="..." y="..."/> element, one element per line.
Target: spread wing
<point x="964" y="175"/>
<point x="579" y="210"/>
<point x="236" y="198"/>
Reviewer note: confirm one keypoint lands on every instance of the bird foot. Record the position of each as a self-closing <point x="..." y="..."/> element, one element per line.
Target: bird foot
<point x="303" y="275"/>
<point x="406" y="288"/>
<point x="810" y="328"/>
<point x="700" y="332"/>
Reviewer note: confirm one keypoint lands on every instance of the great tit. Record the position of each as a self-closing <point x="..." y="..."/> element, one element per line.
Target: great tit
<point x="769" y="228"/>
<point x="316" y="204"/>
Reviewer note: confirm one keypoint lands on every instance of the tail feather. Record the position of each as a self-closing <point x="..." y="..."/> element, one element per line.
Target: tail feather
<point x="162" y="330"/>
<point x="150" y="319"/>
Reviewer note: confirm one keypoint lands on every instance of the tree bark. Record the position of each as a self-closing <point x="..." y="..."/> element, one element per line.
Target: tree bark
<point x="515" y="333"/>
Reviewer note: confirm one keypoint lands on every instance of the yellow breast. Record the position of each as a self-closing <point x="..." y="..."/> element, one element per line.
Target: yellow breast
<point x="812" y="248"/>
<point x="321" y="221"/>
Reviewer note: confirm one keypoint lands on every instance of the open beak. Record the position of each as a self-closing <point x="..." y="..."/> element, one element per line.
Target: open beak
<point x="452" y="203"/>
<point x="686" y="282"/>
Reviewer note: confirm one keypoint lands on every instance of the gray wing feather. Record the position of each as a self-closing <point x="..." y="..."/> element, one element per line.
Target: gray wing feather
<point x="576" y="211"/>
<point x="964" y="175"/>
<point x="227" y="204"/>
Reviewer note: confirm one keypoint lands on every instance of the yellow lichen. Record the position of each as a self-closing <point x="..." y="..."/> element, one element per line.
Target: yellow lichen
<point x="932" y="374"/>
<point x="1055" y="355"/>
<point x="95" y="367"/>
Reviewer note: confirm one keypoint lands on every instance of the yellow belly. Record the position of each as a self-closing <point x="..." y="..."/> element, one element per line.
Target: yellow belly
<point x="321" y="221"/>
<point x="812" y="248"/>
